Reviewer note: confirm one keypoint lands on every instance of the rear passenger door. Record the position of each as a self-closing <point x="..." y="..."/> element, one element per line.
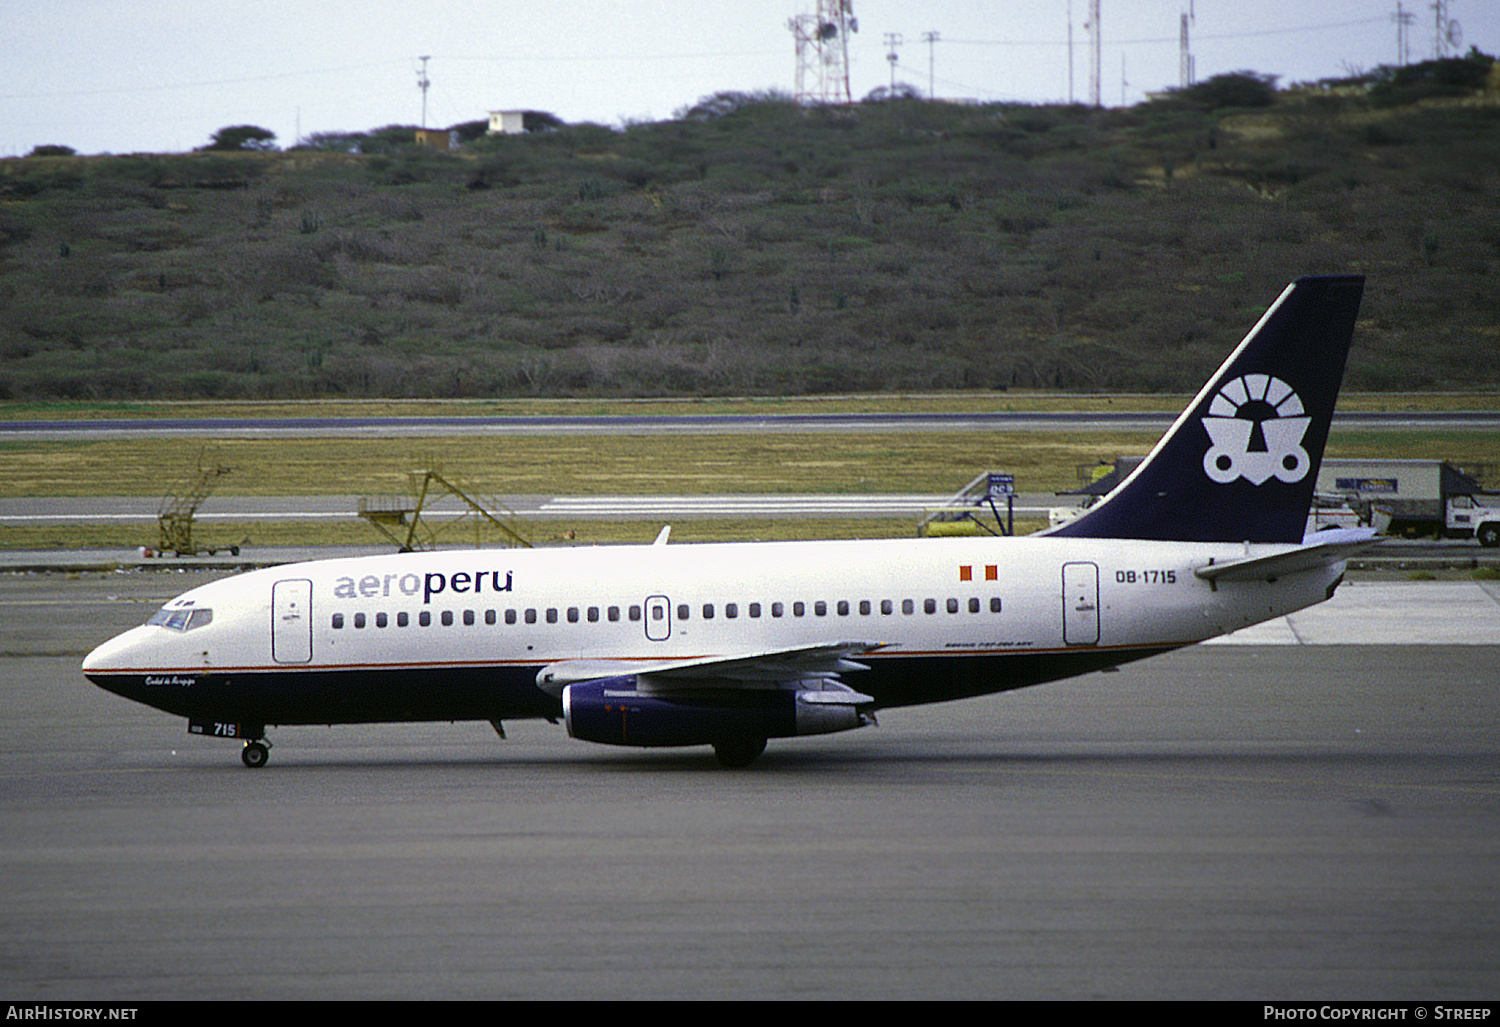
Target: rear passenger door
<point x="1080" y="586"/>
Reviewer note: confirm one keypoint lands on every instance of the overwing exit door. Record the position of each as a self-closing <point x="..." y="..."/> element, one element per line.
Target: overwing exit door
<point x="1080" y="587"/>
<point x="658" y="618"/>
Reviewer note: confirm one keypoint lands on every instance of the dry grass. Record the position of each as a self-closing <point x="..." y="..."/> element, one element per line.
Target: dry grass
<point x="882" y="462"/>
<point x="567" y="465"/>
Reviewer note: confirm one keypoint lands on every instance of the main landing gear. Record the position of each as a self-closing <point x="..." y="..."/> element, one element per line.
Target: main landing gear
<point x="735" y="753"/>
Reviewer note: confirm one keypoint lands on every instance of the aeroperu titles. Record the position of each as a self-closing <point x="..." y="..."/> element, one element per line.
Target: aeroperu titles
<point x="427" y="584"/>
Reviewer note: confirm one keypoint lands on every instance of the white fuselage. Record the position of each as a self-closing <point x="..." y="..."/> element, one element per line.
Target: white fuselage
<point x="952" y="617"/>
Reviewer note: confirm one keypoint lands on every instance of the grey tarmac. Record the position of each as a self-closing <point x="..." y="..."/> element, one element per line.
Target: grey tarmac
<point x="1310" y="812"/>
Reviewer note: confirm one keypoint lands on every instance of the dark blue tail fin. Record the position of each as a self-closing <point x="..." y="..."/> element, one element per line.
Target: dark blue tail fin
<point x="1240" y="463"/>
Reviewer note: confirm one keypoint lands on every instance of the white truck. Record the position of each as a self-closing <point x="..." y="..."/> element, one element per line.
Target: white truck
<point x="1418" y="497"/>
<point x="1466" y="515"/>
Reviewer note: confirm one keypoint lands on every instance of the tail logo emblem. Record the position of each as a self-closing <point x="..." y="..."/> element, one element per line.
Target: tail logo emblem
<point x="1256" y="424"/>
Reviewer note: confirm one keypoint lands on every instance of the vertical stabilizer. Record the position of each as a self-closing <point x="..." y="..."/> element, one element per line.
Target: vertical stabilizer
<point x="1240" y="463"/>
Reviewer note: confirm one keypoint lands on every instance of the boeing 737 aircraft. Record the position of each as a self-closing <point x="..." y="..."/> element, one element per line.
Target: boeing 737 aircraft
<point x="731" y="644"/>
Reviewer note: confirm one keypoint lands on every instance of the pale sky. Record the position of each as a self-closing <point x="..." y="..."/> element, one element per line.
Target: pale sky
<point x="122" y="76"/>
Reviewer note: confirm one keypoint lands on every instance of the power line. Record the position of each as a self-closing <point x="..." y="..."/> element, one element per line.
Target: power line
<point x="1153" y="40"/>
<point x="373" y="65"/>
<point x="956" y="87"/>
<point x="167" y="86"/>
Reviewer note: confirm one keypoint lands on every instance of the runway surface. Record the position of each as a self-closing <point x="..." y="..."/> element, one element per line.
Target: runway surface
<point x="1310" y="812"/>
<point x="143" y="510"/>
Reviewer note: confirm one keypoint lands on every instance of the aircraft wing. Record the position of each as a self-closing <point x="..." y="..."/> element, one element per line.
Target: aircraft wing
<point x="1320" y="550"/>
<point x="739" y="670"/>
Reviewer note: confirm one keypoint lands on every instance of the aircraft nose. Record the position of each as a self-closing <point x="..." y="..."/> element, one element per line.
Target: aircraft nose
<point x="127" y="666"/>
<point x="111" y="655"/>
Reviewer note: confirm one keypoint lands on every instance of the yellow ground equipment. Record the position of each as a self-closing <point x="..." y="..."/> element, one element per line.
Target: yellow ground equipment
<point x="179" y="508"/>
<point x="407" y="521"/>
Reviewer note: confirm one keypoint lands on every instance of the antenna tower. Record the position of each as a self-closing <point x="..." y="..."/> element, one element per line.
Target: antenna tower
<point x="1096" y="53"/>
<point x="823" y="52"/>
<point x="1446" y="32"/>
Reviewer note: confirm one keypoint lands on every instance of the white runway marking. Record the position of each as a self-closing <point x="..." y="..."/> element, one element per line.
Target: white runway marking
<point x="719" y="506"/>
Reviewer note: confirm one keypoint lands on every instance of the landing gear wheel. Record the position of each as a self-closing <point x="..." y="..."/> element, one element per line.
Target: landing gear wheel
<point x="255" y="754"/>
<point x="738" y="752"/>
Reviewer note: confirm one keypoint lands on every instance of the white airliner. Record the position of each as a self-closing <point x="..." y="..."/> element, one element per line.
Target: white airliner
<point x="729" y="645"/>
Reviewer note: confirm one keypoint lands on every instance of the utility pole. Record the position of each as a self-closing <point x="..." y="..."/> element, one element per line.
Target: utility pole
<point x="1402" y="20"/>
<point x="422" y="84"/>
<point x="1096" y="53"/>
<point x="892" y="40"/>
<point x="1185" y="57"/>
<point x="930" y="38"/>
<point x="1070" y="53"/>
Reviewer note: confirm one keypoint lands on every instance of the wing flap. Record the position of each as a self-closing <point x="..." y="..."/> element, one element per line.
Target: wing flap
<point x="745" y="670"/>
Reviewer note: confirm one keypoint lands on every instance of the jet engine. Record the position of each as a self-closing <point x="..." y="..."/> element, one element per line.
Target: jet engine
<point x="632" y="710"/>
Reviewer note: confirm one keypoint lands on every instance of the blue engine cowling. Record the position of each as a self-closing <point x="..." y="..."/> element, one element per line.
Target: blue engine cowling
<point x="615" y="711"/>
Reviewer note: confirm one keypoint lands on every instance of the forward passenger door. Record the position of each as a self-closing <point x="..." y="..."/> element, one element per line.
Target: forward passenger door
<point x="291" y="621"/>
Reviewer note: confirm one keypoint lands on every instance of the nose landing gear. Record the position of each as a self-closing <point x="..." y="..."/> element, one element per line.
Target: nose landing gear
<point x="257" y="750"/>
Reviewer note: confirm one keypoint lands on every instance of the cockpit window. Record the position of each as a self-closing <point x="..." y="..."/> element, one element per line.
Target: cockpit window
<point x="181" y="619"/>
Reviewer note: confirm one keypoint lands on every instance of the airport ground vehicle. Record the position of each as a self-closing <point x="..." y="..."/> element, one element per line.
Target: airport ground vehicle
<point x="1415" y="498"/>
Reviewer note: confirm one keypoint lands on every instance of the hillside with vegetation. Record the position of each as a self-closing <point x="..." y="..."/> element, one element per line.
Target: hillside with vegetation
<point x="750" y="246"/>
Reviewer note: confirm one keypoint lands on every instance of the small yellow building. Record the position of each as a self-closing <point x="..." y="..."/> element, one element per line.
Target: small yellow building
<point x="437" y="138"/>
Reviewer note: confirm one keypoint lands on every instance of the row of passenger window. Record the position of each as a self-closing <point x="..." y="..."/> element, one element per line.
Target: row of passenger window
<point x="708" y="611"/>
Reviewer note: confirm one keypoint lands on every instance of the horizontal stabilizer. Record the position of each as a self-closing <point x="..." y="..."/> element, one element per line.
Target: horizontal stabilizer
<point x="1325" y="548"/>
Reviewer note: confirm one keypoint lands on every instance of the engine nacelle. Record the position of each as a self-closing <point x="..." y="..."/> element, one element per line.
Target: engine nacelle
<point x="616" y="711"/>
